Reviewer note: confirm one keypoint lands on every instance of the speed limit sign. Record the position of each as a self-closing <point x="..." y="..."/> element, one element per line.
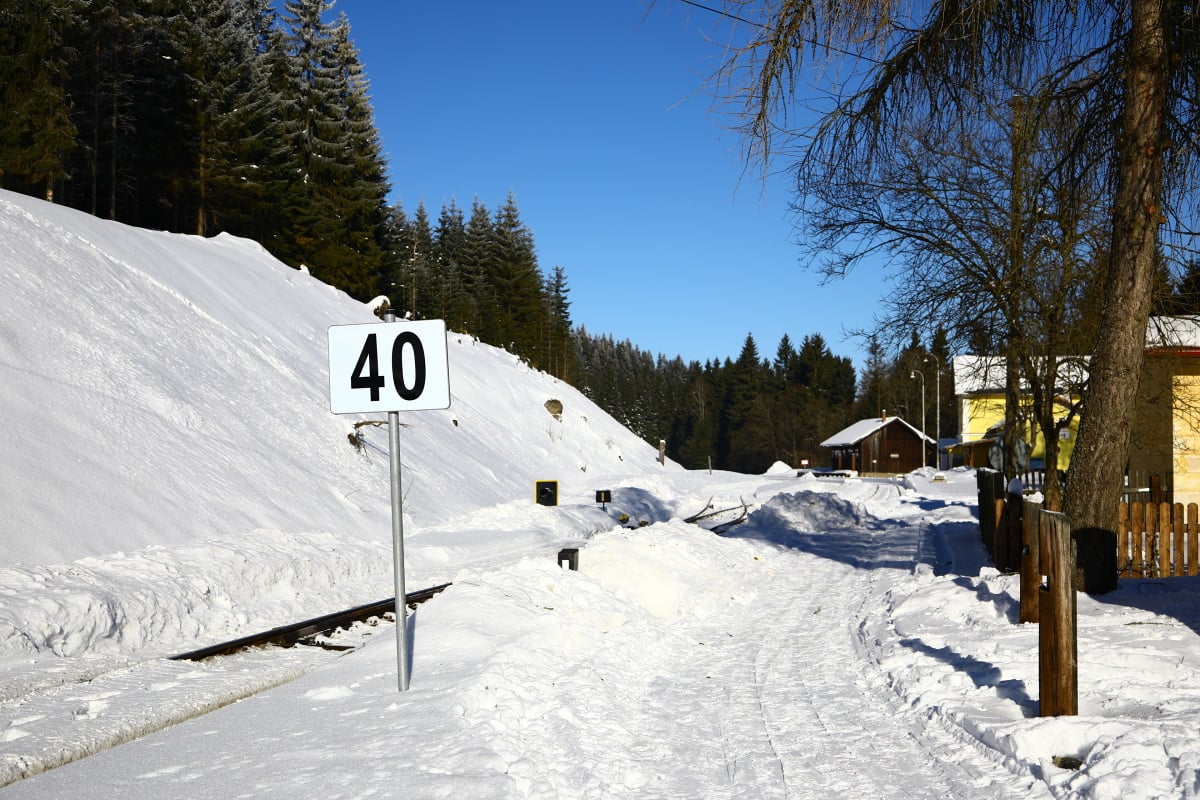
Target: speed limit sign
<point x="388" y="366"/>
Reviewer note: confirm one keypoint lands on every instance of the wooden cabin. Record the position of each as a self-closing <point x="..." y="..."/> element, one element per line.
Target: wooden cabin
<point x="880" y="444"/>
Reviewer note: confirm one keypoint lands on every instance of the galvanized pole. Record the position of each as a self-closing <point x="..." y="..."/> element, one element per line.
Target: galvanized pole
<point x="398" y="541"/>
<point x="937" y="414"/>
<point x="913" y="375"/>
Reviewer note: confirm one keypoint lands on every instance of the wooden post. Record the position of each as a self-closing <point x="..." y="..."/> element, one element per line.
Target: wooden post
<point x="1000" y="534"/>
<point x="987" y="510"/>
<point x="1058" y="662"/>
<point x="1015" y="504"/>
<point x="1031" y="572"/>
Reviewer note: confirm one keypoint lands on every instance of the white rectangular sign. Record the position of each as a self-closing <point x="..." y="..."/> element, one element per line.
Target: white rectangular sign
<point x="388" y="366"/>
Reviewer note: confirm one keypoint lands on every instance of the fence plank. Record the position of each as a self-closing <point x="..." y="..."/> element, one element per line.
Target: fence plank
<point x="1142" y="520"/>
<point x="1193" y="545"/>
<point x="1177" y="527"/>
<point x="1124" y="536"/>
<point x="1163" y="541"/>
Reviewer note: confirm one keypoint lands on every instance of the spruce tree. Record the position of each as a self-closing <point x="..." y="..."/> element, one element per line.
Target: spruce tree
<point x="558" y="354"/>
<point x="218" y="54"/>
<point x="37" y="134"/>
<point x="416" y="275"/>
<point x="476" y="268"/>
<point x="363" y="196"/>
<point x="739" y="443"/>
<point x="397" y="245"/>
<point x="336" y="201"/>
<point x="127" y="94"/>
<point x="517" y="282"/>
<point x="453" y="299"/>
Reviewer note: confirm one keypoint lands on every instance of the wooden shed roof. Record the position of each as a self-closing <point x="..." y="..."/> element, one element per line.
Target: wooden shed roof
<point x="852" y="435"/>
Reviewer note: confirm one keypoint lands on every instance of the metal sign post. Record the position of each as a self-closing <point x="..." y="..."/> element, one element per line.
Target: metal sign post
<point x="368" y="374"/>
<point x="398" y="551"/>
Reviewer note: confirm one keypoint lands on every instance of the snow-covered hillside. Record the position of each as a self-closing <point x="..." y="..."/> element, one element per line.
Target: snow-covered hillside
<point x="162" y="389"/>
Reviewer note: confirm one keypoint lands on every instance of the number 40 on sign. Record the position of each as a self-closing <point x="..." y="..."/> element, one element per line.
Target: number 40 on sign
<point x="388" y="366"/>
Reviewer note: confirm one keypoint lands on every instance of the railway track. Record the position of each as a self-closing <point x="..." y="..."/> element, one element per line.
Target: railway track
<point x="299" y="632"/>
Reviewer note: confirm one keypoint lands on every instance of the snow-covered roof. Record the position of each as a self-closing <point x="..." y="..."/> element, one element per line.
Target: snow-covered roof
<point x="1173" y="332"/>
<point x="865" y="427"/>
<point x="975" y="374"/>
<point x="983" y="374"/>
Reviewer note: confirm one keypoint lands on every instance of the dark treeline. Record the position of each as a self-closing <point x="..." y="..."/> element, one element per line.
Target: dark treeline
<point x="211" y="116"/>
<point x="741" y="415"/>
<point x="199" y="116"/>
<point x="479" y="272"/>
<point x="748" y="413"/>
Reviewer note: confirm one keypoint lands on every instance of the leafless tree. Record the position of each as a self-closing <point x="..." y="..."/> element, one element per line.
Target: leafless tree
<point x="1131" y="65"/>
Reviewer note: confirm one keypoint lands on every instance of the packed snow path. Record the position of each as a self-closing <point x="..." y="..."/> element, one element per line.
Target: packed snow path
<point x="675" y="664"/>
<point x="801" y="708"/>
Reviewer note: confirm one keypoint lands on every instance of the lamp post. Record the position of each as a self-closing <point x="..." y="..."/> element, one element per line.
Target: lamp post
<point x="914" y="374"/>
<point x="937" y="411"/>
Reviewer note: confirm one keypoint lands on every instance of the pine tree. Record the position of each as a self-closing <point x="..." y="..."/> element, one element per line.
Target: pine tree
<point x="126" y="93"/>
<point x="218" y="54"/>
<point x="453" y="298"/>
<point x="513" y="273"/>
<point x="476" y="267"/>
<point x="397" y="245"/>
<point x="36" y="130"/>
<point x="558" y="354"/>
<point x="417" y="271"/>
<point x="336" y="203"/>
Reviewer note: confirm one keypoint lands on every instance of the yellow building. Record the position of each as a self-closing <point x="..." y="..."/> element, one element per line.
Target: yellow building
<point x="979" y="392"/>
<point x="1165" y="437"/>
<point x="1168" y="444"/>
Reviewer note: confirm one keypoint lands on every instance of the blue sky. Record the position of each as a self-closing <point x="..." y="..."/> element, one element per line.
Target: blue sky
<point x="596" y="116"/>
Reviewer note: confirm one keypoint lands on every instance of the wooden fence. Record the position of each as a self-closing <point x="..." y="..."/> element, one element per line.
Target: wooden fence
<point x="1154" y="539"/>
<point x="1158" y="540"/>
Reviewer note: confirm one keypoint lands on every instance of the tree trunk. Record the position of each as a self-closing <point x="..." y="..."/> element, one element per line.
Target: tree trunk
<point x="1102" y="452"/>
<point x="1013" y="426"/>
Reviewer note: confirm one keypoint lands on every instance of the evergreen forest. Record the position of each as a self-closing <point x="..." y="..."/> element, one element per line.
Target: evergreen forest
<point x="254" y="119"/>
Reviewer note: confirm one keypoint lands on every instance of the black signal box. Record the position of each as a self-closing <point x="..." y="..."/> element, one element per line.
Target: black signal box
<point x="546" y="493"/>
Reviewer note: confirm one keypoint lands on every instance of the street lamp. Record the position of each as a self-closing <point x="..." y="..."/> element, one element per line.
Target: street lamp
<point x="914" y="374"/>
<point x="937" y="411"/>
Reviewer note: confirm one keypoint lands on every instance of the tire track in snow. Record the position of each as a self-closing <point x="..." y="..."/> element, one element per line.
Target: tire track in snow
<point x="805" y="713"/>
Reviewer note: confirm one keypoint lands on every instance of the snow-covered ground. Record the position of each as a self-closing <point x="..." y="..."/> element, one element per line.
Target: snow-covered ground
<point x="171" y="477"/>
